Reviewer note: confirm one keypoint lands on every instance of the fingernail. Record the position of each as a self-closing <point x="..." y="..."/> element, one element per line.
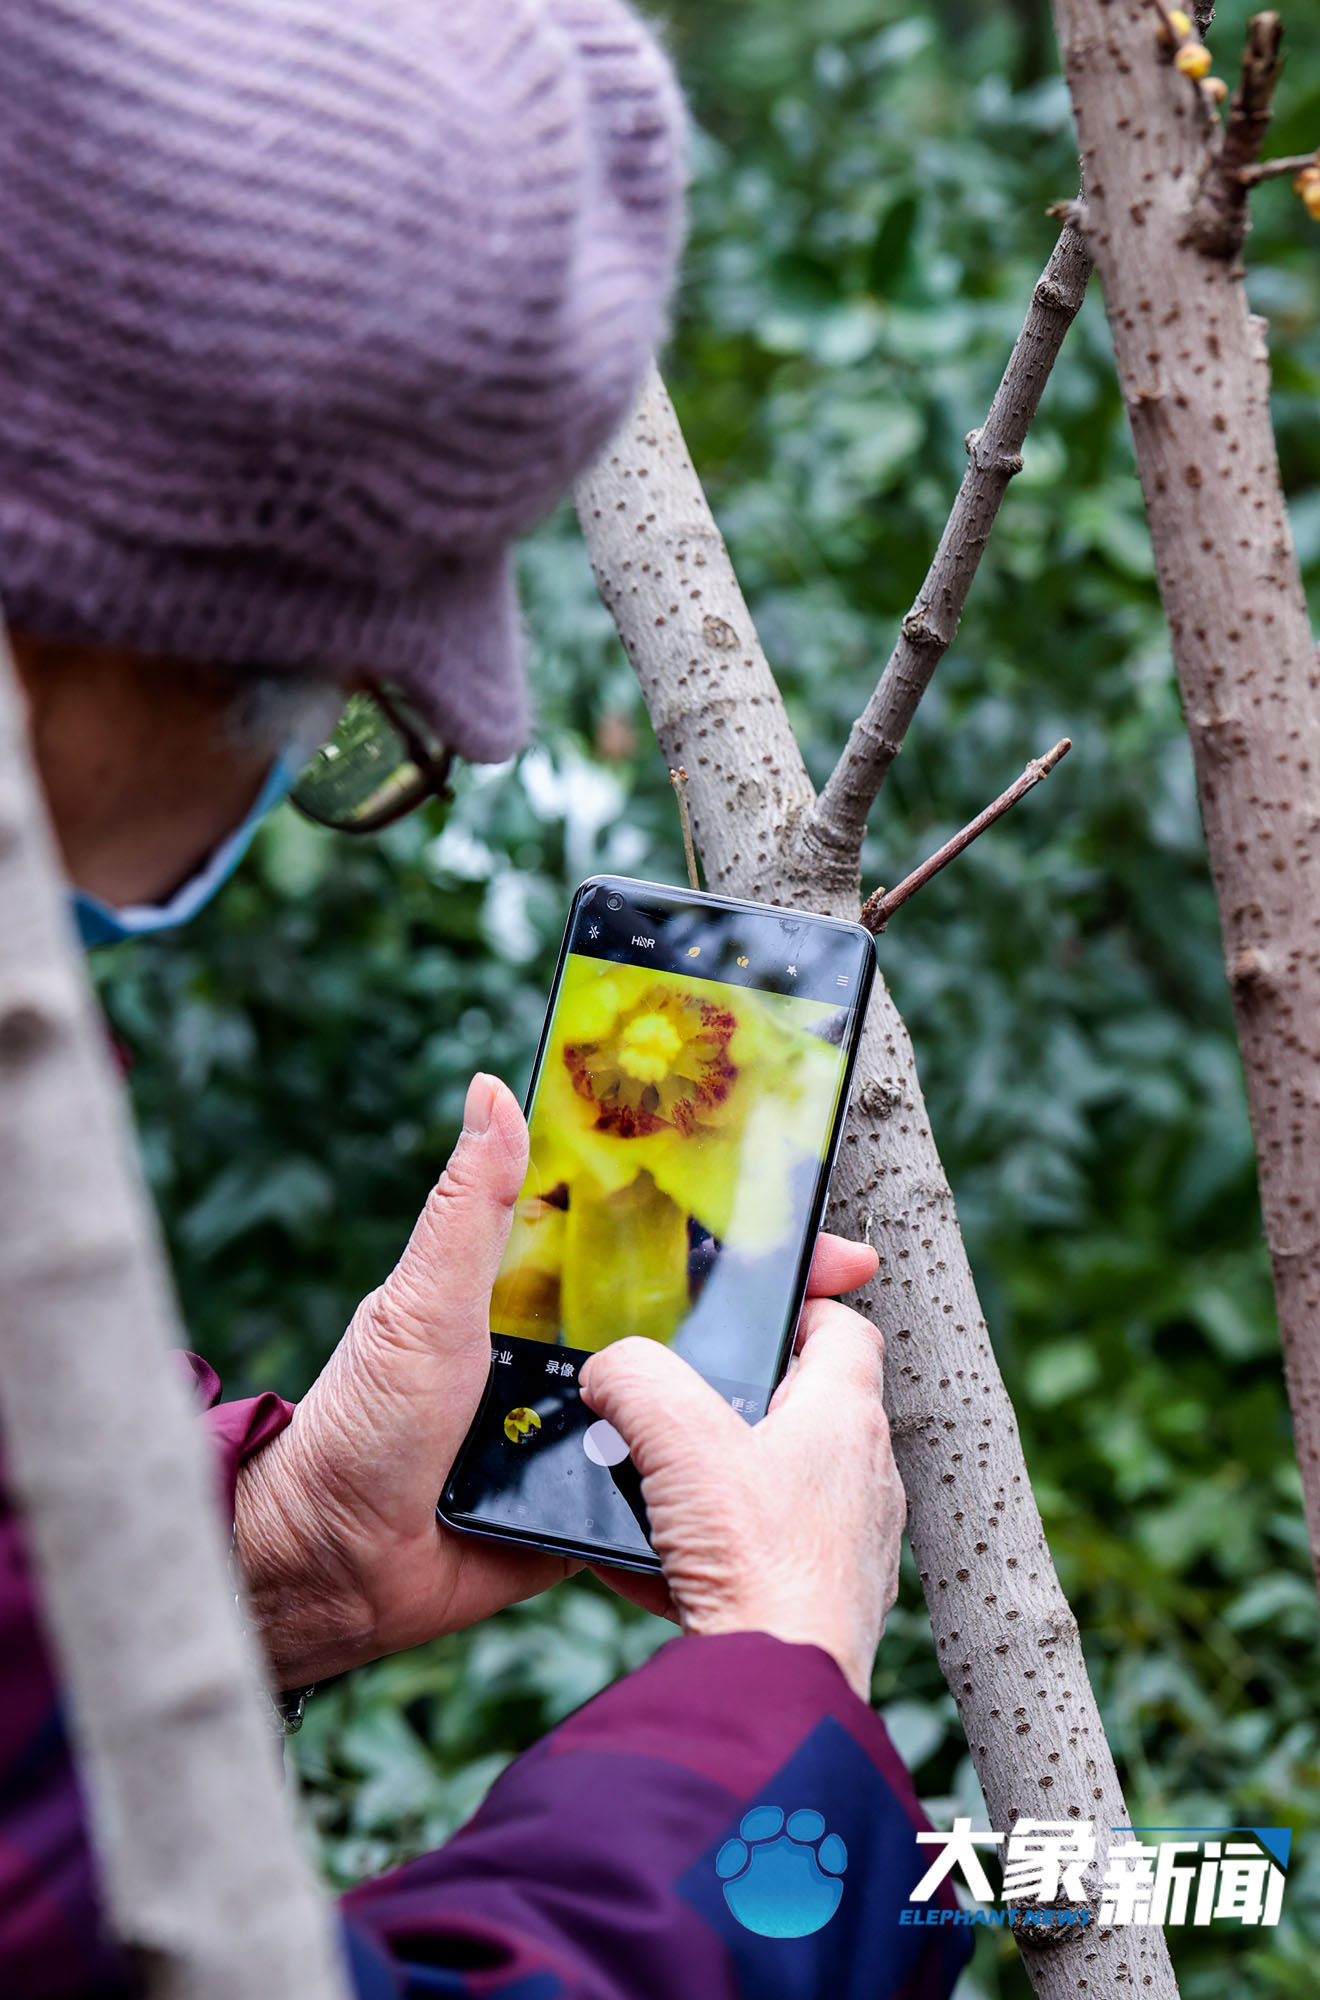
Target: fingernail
<point x="479" y="1104"/>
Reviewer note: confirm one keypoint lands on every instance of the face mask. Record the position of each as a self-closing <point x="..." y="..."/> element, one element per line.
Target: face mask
<point x="100" y="923"/>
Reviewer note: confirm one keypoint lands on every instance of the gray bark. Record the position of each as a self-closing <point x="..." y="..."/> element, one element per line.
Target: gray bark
<point x="198" y="1858"/>
<point x="1165" y="222"/>
<point x="1006" y="1639"/>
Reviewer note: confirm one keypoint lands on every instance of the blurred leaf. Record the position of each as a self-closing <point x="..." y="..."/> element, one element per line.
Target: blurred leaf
<point x="1062" y="1369"/>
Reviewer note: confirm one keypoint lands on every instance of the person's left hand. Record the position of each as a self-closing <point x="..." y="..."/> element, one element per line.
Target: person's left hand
<point x="343" y="1557"/>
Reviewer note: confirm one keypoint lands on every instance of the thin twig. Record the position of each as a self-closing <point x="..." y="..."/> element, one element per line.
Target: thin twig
<point x="1220" y="214"/>
<point x="880" y="907"/>
<point x="836" y="825"/>
<point x="1249" y="112"/>
<point x="679" y="780"/>
<point x="1273" y="170"/>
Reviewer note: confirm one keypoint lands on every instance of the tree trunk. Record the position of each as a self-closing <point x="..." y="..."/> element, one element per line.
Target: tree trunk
<point x="1007" y="1642"/>
<point x="198" y="1859"/>
<point x="1165" y="219"/>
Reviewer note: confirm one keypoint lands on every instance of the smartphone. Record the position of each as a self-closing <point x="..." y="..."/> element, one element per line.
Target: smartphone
<point x="685" y="1109"/>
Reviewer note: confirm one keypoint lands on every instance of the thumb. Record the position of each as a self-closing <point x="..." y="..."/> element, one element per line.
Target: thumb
<point x="438" y="1294"/>
<point x="660" y="1406"/>
<point x="834" y="1390"/>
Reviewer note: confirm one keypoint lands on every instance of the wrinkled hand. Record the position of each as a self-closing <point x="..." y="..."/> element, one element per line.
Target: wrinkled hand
<point x="791" y="1527"/>
<point x="342" y="1555"/>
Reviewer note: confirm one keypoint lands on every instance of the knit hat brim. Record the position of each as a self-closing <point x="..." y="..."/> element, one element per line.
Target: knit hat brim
<point x="470" y="684"/>
<point x="451" y="639"/>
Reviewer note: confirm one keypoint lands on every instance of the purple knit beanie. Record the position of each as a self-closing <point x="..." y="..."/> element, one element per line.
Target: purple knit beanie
<point x="307" y="309"/>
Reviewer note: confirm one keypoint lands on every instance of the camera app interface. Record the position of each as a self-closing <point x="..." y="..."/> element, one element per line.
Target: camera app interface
<point x="681" y="1123"/>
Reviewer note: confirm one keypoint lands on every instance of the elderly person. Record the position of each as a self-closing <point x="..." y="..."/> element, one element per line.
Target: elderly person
<point x="307" y="311"/>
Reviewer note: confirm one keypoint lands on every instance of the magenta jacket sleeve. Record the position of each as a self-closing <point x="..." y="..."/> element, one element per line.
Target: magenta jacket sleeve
<point x="730" y="1820"/>
<point x="237" y="1430"/>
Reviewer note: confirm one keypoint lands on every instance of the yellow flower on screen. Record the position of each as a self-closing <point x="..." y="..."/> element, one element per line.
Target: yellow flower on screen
<point x="674" y="1075"/>
<point x="666" y="1106"/>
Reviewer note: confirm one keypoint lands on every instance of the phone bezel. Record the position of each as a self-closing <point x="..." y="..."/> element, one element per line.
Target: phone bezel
<point x="602" y="1554"/>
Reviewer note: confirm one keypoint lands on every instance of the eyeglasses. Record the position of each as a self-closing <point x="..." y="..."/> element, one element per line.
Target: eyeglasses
<point x="381" y="763"/>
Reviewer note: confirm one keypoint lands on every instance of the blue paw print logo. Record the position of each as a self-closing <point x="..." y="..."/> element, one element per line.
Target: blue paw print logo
<point x="781" y="1876"/>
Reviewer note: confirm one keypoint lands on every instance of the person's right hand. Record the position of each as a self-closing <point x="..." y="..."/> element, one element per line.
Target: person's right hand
<point x="791" y="1526"/>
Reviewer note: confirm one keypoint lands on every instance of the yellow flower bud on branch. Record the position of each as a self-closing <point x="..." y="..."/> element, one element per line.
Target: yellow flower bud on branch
<point x="1174" y="27"/>
<point x="1307" y="185"/>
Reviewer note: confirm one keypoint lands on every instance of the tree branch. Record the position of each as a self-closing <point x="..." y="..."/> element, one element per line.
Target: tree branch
<point x="1249" y="111"/>
<point x="664" y="573"/>
<point x="679" y="780"/>
<point x="832" y="834"/>
<point x="1220" y="215"/>
<point x="1273" y="170"/>
<point x="199" y="1866"/>
<point x="1005" y="1639"/>
<point x="880" y="906"/>
<point x="1195" y="374"/>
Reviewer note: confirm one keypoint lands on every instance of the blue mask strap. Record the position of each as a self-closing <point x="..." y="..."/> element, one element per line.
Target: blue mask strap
<point x="100" y="923"/>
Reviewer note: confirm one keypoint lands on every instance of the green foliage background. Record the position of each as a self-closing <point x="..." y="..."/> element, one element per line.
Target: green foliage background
<point x="868" y="216"/>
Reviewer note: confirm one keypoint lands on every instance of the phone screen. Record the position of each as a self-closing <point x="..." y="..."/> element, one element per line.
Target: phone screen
<point x="684" y="1113"/>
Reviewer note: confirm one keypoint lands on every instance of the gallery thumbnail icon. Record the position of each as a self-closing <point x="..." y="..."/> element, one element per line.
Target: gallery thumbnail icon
<point x="521" y="1425"/>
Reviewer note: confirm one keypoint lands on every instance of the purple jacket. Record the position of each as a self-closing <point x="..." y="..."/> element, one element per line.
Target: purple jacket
<point x="622" y="1858"/>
